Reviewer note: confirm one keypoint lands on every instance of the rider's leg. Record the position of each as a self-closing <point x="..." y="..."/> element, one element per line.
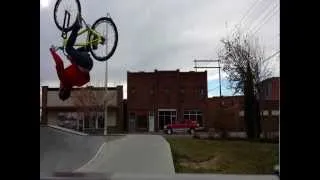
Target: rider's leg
<point x="71" y="41"/>
<point x="80" y="58"/>
<point x="83" y="49"/>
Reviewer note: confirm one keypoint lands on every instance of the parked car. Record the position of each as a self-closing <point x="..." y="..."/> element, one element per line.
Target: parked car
<point x="182" y="126"/>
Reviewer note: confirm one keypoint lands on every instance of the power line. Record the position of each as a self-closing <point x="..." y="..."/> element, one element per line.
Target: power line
<point x="264" y="6"/>
<point x="274" y="54"/>
<point x="272" y="40"/>
<point x="257" y="23"/>
<point x="247" y="12"/>
<point x="266" y="18"/>
<point x="255" y="6"/>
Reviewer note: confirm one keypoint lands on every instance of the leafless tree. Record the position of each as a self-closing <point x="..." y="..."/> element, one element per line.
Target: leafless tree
<point x="240" y="51"/>
<point x="244" y="62"/>
<point x="89" y="102"/>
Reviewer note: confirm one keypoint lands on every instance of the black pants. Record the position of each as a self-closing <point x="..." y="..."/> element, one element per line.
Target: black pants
<point x="80" y="56"/>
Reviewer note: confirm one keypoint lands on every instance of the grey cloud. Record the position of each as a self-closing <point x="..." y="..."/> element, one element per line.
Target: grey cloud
<point x="153" y="34"/>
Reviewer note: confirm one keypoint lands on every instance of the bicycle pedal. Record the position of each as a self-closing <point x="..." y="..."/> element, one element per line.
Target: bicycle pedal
<point x="94" y="46"/>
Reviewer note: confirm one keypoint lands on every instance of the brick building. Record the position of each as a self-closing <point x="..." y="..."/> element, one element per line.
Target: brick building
<point x="271" y="89"/>
<point x="225" y="113"/>
<point x="270" y="104"/>
<point x="161" y="97"/>
<point x="230" y="116"/>
<point x="68" y="113"/>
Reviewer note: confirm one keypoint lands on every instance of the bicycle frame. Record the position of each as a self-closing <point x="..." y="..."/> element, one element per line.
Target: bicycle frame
<point x="87" y="28"/>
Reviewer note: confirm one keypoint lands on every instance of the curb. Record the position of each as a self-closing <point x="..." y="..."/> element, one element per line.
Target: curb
<point x="67" y="130"/>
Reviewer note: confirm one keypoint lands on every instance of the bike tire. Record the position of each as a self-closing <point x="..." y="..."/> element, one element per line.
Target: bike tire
<point x="114" y="44"/>
<point x="60" y="26"/>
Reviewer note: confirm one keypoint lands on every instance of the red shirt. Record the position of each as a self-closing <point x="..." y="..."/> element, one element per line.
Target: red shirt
<point x="71" y="76"/>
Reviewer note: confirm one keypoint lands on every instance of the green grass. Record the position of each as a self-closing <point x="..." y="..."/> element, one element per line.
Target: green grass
<point x="215" y="156"/>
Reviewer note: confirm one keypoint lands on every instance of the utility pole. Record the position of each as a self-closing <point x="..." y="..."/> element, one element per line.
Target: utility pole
<point x="219" y="76"/>
<point x="209" y="67"/>
<point x="106" y="86"/>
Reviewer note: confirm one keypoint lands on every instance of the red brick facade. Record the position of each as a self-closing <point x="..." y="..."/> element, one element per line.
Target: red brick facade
<point x="153" y="96"/>
<point x="230" y="116"/>
<point x="271" y="89"/>
<point x="223" y="113"/>
<point x="184" y="95"/>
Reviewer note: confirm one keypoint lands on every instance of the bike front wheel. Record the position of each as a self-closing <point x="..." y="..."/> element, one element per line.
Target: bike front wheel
<point x="64" y="10"/>
<point x="107" y="44"/>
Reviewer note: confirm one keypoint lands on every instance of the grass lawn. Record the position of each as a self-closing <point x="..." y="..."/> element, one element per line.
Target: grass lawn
<point x="218" y="156"/>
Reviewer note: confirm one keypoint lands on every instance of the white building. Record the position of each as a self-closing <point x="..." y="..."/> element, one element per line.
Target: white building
<point x="84" y="110"/>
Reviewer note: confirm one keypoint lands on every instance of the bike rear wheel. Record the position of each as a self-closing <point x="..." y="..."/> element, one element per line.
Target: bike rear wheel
<point x="106" y="28"/>
<point x="72" y="7"/>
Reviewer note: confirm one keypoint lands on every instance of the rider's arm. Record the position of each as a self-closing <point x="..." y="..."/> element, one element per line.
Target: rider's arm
<point x="59" y="63"/>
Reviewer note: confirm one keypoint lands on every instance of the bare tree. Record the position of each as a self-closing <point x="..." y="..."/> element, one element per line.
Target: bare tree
<point x="90" y="103"/>
<point x="244" y="62"/>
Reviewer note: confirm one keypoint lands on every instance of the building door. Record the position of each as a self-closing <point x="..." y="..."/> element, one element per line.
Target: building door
<point x="151" y="121"/>
<point x="80" y="122"/>
<point x="166" y="116"/>
<point x="132" y="122"/>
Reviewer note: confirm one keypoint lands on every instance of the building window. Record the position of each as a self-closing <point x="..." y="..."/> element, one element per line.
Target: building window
<point x="265" y="113"/>
<point x="101" y="121"/>
<point x="275" y="112"/>
<point x="241" y="113"/>
<point x="270" y="89"/>
<point x="133" y="90"/>
<point x="266" y="91"/>
<point x="132" y="115"/>
<point x="193" y="115"/>
<point x="201" y="92"/>
<point x="112" y="118"/>
<point x="142" y="121"/>
<point x="166" y="117"/>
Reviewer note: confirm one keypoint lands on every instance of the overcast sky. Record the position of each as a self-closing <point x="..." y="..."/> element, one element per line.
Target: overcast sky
<point x="165" y="35"/>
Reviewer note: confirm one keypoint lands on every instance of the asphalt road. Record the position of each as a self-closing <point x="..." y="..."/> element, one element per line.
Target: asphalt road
<point x="63" y="151"/>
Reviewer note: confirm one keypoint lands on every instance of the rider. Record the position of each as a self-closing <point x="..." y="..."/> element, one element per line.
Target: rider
<point x="77" y="74"/>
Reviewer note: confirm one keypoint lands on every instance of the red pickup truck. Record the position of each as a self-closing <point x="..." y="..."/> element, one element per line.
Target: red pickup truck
<point x="181" y="126"/>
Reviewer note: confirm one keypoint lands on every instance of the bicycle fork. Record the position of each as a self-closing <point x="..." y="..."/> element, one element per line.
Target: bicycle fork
<point x="66" y="22"/>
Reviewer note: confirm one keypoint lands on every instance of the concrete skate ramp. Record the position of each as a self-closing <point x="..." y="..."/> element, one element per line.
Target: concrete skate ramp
<point x="64" y="151"/>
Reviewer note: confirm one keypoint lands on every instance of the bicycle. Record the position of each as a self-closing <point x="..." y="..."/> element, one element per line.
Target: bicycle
<point x="95" y="40"/>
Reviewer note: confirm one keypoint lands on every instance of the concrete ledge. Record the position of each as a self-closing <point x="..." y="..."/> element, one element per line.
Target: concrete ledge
<point x="65" y="151"/>
<point x="67" y="130"/>
<point x="234" y="134"/>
